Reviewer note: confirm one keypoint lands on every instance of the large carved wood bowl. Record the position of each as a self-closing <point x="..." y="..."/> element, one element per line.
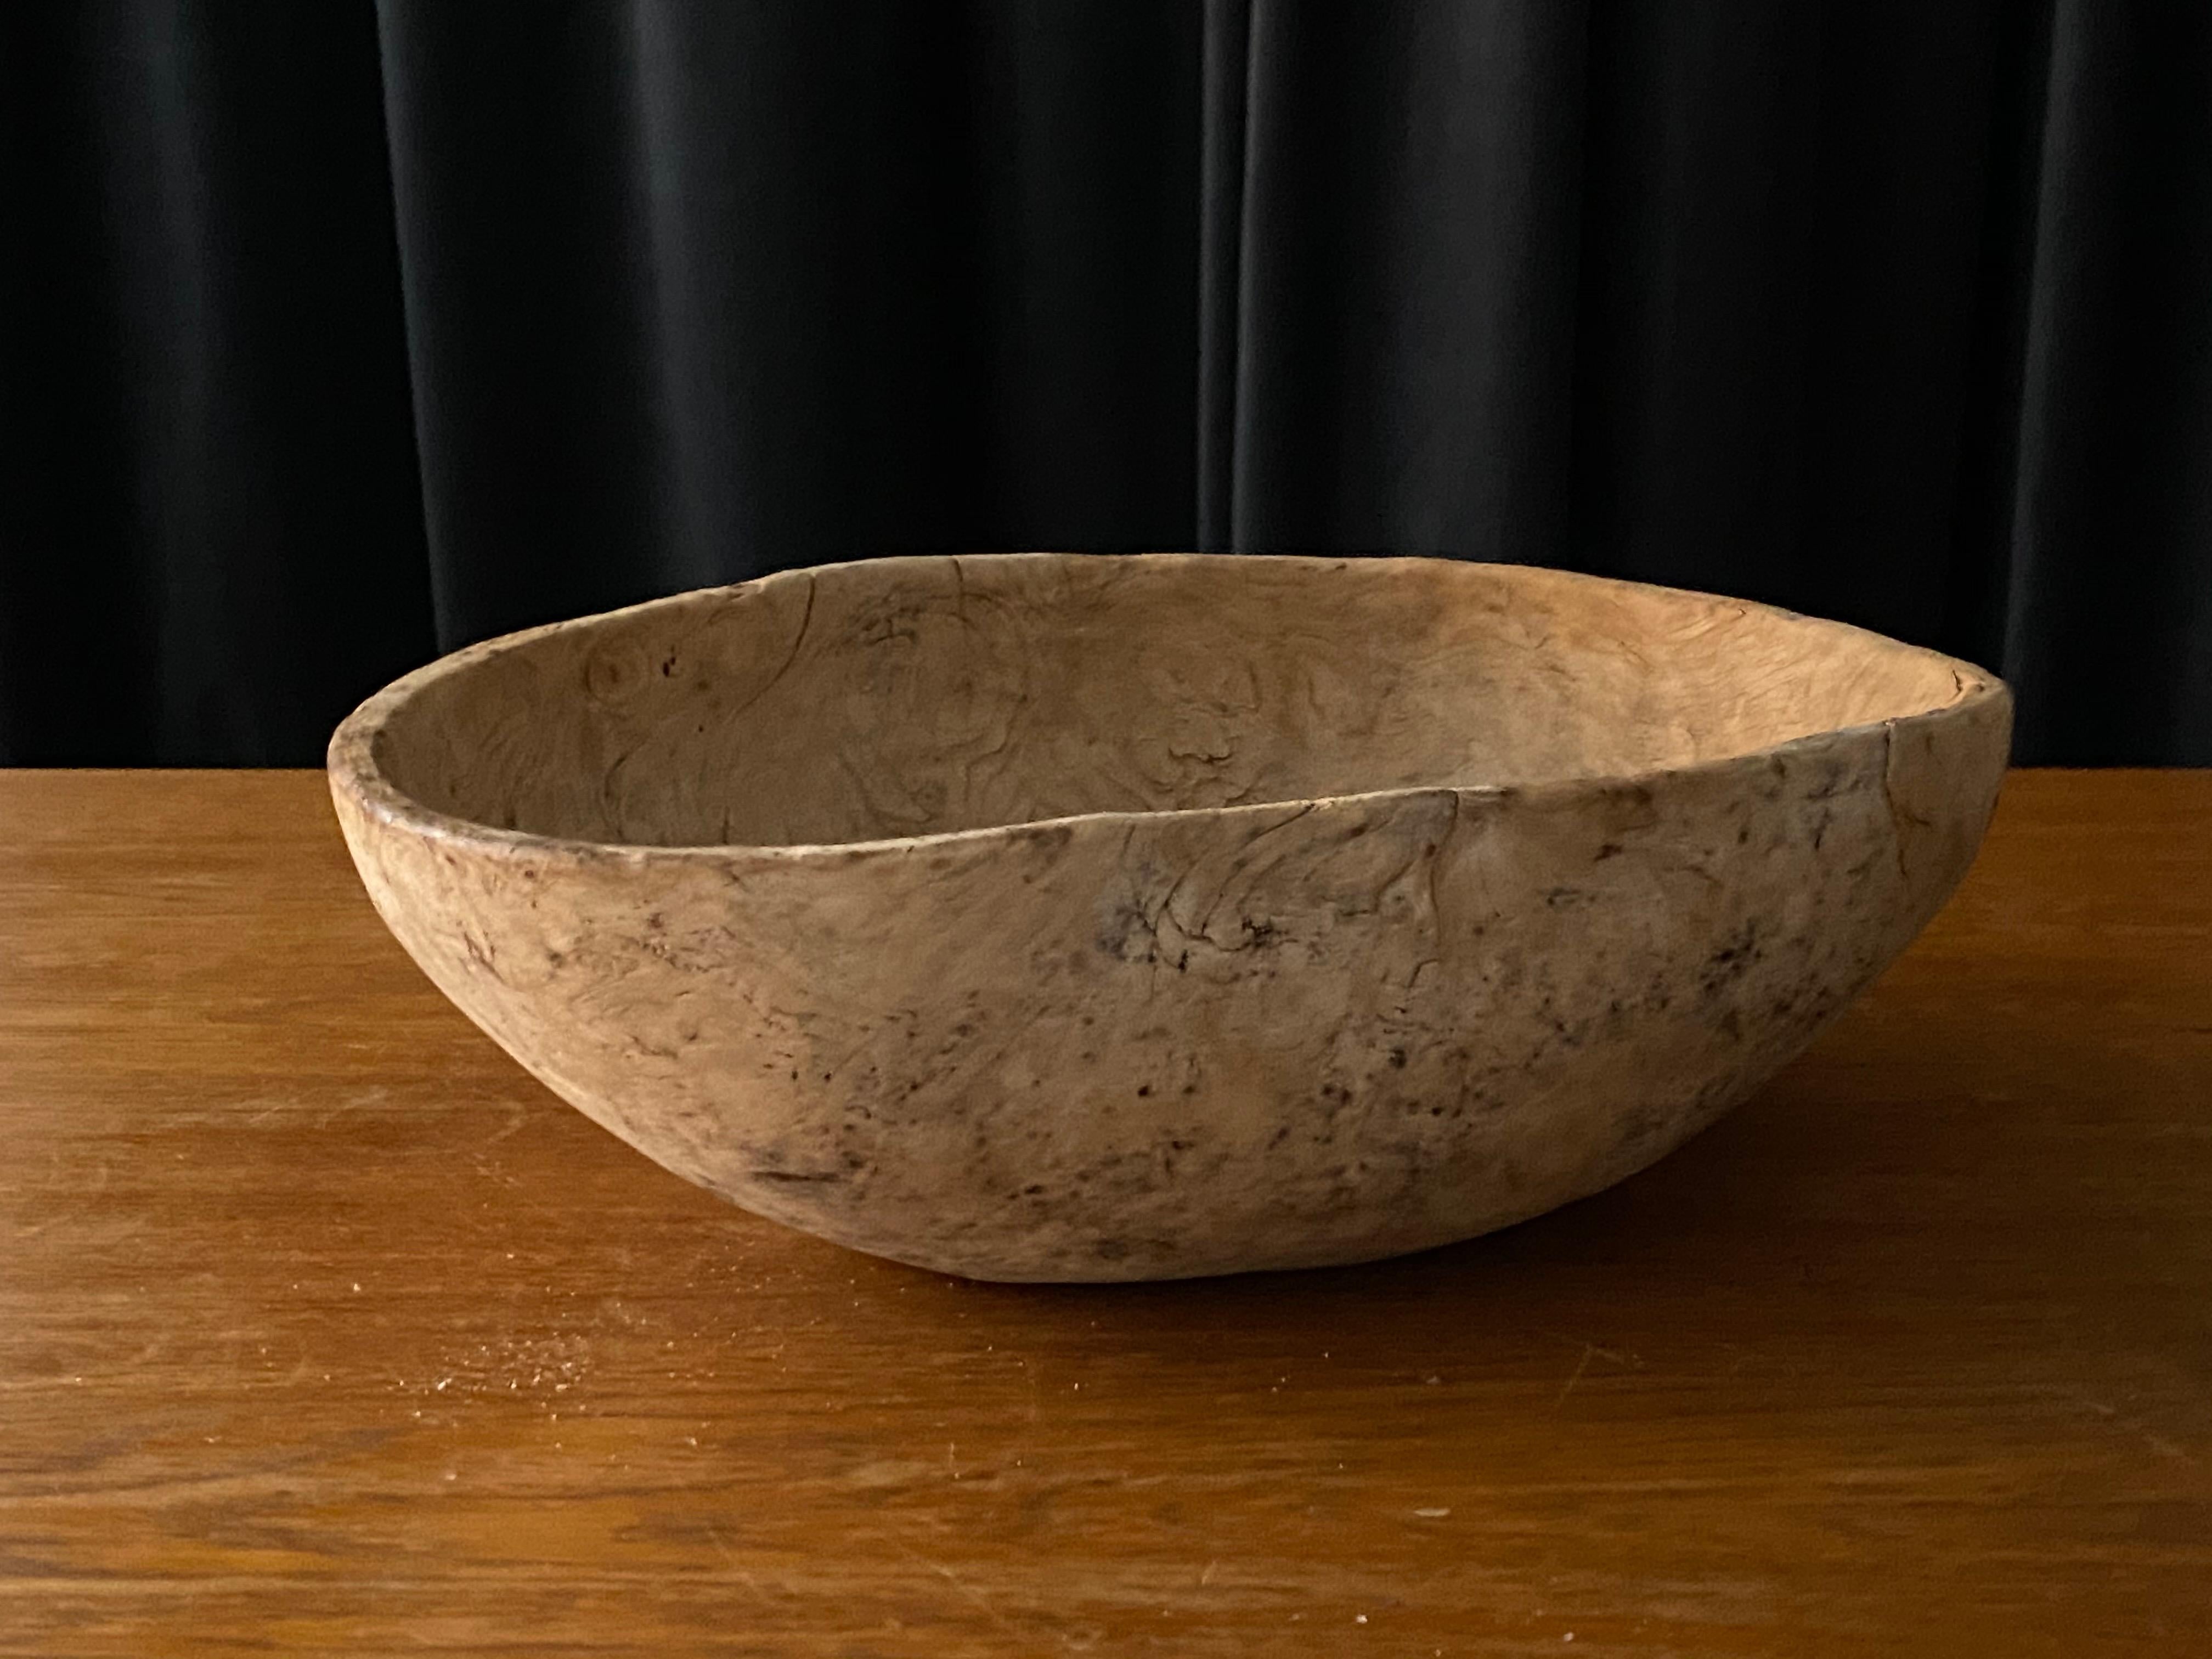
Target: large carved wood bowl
<point x="1048" y="917"/>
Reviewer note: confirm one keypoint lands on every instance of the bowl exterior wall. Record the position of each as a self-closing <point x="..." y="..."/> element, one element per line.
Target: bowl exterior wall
<point x="1152" y="1046"/>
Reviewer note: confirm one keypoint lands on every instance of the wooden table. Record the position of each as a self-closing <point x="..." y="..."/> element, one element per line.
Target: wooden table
<point x="323" y="1327"/>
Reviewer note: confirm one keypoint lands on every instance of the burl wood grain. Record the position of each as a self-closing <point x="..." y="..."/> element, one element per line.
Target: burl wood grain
<point x="324" y="1329"/>
<point x="1040" y="917"/>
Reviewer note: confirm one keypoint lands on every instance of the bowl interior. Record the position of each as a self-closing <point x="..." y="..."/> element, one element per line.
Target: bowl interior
<point x="907" y="696"/>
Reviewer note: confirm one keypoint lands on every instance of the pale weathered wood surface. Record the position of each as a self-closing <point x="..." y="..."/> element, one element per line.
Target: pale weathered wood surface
<point x="1455" y="891"/>
<point x="322" y="1328"/>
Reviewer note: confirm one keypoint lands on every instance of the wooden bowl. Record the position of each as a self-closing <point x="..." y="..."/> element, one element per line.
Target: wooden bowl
<point x="1037" y="916"/>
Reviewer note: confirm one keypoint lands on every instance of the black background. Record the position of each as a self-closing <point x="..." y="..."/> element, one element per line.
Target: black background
<point x="335" y="334"/>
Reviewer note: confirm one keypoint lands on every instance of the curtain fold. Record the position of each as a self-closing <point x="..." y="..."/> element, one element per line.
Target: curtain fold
<point x="2108" y="623"/>
<point x="210" y="534"/>
<point x="332" y="337"/>
<point x="1409" y="246"/>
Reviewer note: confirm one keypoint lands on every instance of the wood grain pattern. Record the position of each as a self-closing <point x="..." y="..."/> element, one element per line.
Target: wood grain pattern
<point x="322" y="1328"/>
<point x="928" y="694"/>
<point x="1470" y="890"/>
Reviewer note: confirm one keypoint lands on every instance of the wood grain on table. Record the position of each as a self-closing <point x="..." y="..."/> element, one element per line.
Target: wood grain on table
<point x="323" y="1328"/>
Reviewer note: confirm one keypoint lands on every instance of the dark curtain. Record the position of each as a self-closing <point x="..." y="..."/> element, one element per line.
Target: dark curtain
<point x="333" y="336"/>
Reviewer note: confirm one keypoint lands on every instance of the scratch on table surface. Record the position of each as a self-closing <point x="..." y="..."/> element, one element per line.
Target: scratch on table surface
<point x="1590" y="1351"/>
<point x="729" y="1554"/>
<point x="968" y="1591"/>
<point x="353" y="1100"/>
<point x="2157" y="1443"/>
<point x="115" y="1224"/>
<point x="1573" y="1377"/>
<point x="517" y="1116"/>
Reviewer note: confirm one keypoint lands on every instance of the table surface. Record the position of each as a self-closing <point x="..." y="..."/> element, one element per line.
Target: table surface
<point x="323" y="1327"/>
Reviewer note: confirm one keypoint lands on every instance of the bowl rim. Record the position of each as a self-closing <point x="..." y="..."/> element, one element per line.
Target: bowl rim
<point x="352" y="767"/>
